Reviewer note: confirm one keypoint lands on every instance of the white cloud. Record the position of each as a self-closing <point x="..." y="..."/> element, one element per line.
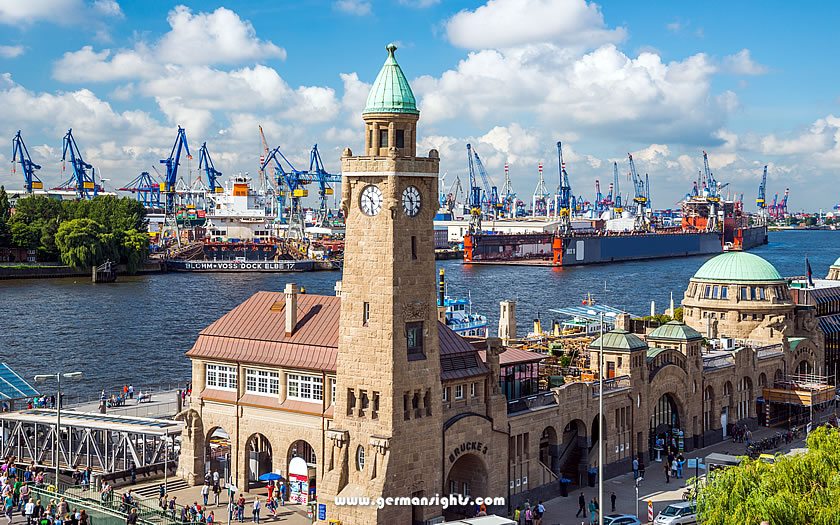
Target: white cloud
<point x="64" y="12"/>
<point x="353" y="7"/>
<point x="87" y="65"/>
<point x="10" y="51"/>
<point x="741" y="63"/>
<point x="504" y="23"/>
<point x="675" y="26"/>
<point x="419" y="3"/>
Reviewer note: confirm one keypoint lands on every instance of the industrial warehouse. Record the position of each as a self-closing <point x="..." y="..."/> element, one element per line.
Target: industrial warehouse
<point x="367" y="393"/>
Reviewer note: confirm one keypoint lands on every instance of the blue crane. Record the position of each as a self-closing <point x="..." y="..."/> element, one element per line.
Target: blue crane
<point x="205" y="162"/>
<point x="490" y="201"/>
<point x="639" y="197"/>
<point x="293" y="181"/>
<point x="712" y="185"/>
<point x="474" y="195"/>
<point x="617" y="195"/>
<point x="21" y="154"/>
<point x="761" y="200"/>
<point x="647" y="191"/>
<point x="172" y="162"/>
<point x="566" y="202"/>
<point x="81" y="182"/>
<point x="145" y="189"/>
<point x="319" y="174"/>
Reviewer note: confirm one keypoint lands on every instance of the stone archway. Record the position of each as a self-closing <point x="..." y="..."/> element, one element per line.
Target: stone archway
<point x="709" y="421"/>
<point x="468" y="477"/>
<point x="258" y="460"/>
<point x="549" y="449"/>
<point x="217" y="453"/>
<point x="804" y="367"/>
<point x="191" y="455"/>
<point x="302" y="449"/>
<point x="665" y="425"/>
<point x="573" y="458"/>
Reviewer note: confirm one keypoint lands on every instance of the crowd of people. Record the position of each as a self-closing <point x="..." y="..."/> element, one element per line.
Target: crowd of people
<point x="16" y="487"/>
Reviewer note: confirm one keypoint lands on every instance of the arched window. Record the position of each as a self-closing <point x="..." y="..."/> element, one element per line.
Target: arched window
<point x="360" y="458"/>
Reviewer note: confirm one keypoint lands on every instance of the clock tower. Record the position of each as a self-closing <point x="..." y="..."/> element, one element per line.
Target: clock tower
<point x="385" y="438"/>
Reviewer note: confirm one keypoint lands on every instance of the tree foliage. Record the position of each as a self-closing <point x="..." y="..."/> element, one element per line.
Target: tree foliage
<point x="91" y="231"/>
<point x="801" y="489"/>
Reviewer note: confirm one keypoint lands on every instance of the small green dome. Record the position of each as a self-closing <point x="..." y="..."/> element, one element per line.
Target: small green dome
<point x="675" y="331"/>
<point x="836" y="263"/>
<point x="390" y="92"/>
<point x="618" y="340"/>
<point x="738" y="267"/>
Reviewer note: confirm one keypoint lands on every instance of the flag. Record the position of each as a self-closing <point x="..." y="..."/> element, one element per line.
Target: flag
<point x="808" y="267"/>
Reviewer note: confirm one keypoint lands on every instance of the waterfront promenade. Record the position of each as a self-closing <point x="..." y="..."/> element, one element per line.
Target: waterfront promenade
<point x="161" y="405"/>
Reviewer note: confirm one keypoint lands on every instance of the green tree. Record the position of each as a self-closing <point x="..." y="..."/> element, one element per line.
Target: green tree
<point x="678" y="314"/>
<point x="802" y="488"/>
<point x="5" y="214"/>
<point x="135" y="249"/>
<point x="25" y="235"/>
<point x="810" y="221"/>
<point x="80" y="243"/>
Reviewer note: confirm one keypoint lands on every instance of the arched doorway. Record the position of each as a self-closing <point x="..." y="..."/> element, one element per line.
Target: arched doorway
<point x="665" y="432"/>
<point x="745" y="396"/>
<point x="258" y="459"/>
<point x="217" y="457"/>
<point x="548" y="448"/>
<point x="468" y="477"/>
<point x="804" y="368"/>
<point x="726" y="411"/>
<point x="573" y="458"/>
<point x="708" y="409"/>
<point x="303" y="450"/>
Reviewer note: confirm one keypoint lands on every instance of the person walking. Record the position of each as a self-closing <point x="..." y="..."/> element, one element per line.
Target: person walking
<point x="29" y="510"/>
<point x="256" y="510"/>
<point x="593" y="511"/>
<point x="540" y="511"/>
<point x="240" y="508"/>
<point x="612" y="501"/>
<point x="205" y="492"/>
<point x="635" y="468"/>
<point x="217" y="490"/>
<point x="8" y="506"/>
<point x="282" y="492"/>
<point x="172" y="507"/>
<point x="132" y="517"/>
<point x="667" y="469"/>
<point x="582" y="504"/>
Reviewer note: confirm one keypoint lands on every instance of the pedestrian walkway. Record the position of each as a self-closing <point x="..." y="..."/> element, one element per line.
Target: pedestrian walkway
<point x="161" y="404"/>
<point x="561" y="511"/>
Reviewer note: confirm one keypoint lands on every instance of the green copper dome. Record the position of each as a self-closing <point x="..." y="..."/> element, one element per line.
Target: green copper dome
<point x="739" y="267"/>
<point x="390" y="92"/>
<point x="618" y="340"/>
<point x="836" y="263"/>
<point x="675" y="331"/>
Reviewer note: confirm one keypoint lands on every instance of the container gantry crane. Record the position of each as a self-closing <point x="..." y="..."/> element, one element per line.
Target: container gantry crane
<point x="172" y="162"/>
<point x="617" y="207"/>
<point x="145" y="190"/>
<point x="206" y="163"/>
<point x="508" y="195"/>
<point x="539" y="203"/>
<point x="641" y="221"/>
<point x="21" y="154"/>
<point x="761" y="200"/>
<point x="564" y="195"/>
<point x="82" y="182"/>
<point x="474" y="195"/>
<point x="490" y="203"/>
<point x="295" y="180"/>
<point x="324" y="180"/>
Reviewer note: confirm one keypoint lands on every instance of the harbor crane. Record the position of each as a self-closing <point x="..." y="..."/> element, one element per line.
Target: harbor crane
<point x="490" y="203"/>
<point x="295" y="181"/>
<point x="711" y="184"/>
<point x="453" y="193"/>
<point x="145" y="190"/>
<point x="320" y="175"/>
<point x="508" y="195"/>
<point x="206" y="163"/>
<point x="82" y="182"/>
<point x="21" y="154"/>
<point x="641" y="221"/>
<point x="599" y="198"/>
<point x="474" y="195"/>
<point x="172" y="162"/>
<point x="761" y="200"/>
<point x="539" y="203"/>
<point x="564" y="204"/>
<point x="617" y="207"/>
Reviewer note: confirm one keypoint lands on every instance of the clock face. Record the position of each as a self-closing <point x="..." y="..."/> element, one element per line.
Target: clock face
<point x="411" y="201"/>
<point x="371" y="200"/>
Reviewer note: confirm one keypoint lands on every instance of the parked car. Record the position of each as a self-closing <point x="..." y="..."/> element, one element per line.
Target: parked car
<point x="621" y="519"/>
<point x="682" y="513"/>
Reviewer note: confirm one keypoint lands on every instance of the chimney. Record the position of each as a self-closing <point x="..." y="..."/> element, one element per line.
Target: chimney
<point x="291" y="308"/>
<point x="507" y="321"/>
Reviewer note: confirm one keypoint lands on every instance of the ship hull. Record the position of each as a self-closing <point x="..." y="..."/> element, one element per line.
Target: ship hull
<point x="550" y="250"/>
<point x="174" y="265"/>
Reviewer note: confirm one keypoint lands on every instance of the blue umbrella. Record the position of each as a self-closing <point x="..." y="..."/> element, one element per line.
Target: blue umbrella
<point x="271" y="476"/>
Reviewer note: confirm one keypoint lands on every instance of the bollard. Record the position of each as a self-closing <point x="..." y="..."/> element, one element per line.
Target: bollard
<point x="650" y="511"/>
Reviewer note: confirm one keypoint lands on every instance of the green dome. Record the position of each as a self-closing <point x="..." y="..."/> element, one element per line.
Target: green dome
<point x="836" y="263"/>
<point x="390" y="92"/>
<point x="618" y="340"/>
<point x="739" y="267"/>
<point x="675" y="331"/>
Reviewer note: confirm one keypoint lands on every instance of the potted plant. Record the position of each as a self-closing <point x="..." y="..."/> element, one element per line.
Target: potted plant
<point x="593" y="474"/>
<point x="564" y="487"/>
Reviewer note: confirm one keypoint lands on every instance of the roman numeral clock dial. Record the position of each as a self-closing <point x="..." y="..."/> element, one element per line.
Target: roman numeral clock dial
<point x="371" y="200"/>
<point x="411" y="201"/>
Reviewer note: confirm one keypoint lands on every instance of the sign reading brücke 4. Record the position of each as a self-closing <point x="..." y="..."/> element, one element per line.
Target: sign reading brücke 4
<point x="469" y="446"/>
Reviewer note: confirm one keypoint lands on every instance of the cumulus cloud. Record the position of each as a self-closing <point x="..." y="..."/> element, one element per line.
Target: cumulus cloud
<point x="353" y="7"/>
<point x="741" y="63"/>
<point x="505" y="23"/>
<point x="62" y="12"/>
<point x="10" y="51"/>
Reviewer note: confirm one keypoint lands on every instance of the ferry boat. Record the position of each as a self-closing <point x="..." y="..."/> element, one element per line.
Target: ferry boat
<point x="458" y="314"/>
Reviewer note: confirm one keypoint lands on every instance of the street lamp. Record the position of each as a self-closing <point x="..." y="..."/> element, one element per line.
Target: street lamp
<point x="601" y="415"/>
<point x="57" y="377"/>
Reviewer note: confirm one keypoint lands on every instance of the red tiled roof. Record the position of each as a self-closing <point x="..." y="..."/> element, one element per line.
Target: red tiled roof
<point x="255" y="332"/>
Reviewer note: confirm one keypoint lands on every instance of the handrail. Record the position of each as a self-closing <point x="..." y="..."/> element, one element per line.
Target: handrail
<point x="551" y="475"/>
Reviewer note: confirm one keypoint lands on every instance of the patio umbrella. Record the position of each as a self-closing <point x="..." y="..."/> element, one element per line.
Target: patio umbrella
<point x="271" y="476"/>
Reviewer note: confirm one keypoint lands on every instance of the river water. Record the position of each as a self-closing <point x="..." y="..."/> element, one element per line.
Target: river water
<point x="138" y="329"/>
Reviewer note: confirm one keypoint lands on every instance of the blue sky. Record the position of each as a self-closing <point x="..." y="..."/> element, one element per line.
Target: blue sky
<point x="750" y="83"/>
